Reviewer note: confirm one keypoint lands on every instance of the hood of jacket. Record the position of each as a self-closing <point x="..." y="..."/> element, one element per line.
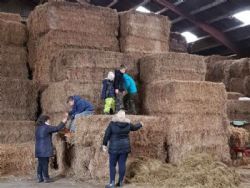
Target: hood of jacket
<point x="76" y="98"/>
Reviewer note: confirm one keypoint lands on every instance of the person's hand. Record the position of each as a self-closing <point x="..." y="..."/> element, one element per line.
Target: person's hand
<point x="65" y="119"/>
<point x="116" y="91"/>
<point x="104" y="148"/>
<point x="142" y="124"/>
<point x="66" y="114"/>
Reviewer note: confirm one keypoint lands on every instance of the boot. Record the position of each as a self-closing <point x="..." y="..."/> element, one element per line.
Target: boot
<point x="39" y="179"/>
<point x="48" y="180"/>
<point x="119" y="184"/>
<point x="111" y="185"/>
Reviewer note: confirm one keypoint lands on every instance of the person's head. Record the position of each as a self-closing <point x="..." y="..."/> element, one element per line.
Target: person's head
<point x="120" y="117"/>
<point x="123" y="68"/>
<point x="71" y="101"/>
<point x="111" y="76"/>
<point x="42" y="120"/>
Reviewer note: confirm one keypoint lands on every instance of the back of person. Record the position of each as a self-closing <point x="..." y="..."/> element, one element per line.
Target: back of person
<point x="129" y="84"/>
<point x="82" y="105"/>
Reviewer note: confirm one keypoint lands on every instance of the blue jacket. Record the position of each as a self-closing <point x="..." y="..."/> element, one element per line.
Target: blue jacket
<point x="117" y="134"/>
<point x="108" y="89"/>
<point x="80" y="105"/>
<point x="129" y="84"/>
<point x="44" y="147"/>
<point x="118" y="82"/>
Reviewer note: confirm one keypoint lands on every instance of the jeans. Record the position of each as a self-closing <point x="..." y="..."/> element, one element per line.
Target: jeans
<point x="109" y="106"/>
<point x="119" y="102"/>
<point x="121" y="159"/>
<point x="72" y="124"/>
<point x="43" y="168"/>
<point x="131" y="103"/>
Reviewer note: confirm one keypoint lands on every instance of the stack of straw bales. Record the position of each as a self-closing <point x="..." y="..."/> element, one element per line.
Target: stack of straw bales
<point x="234" y="95"/>
<point x="18" y="97"/>
<point x="196" y="120"/>
<point x="89" y="162"/>
<point x="238" y="110"/>
<point x="57" y="25"/>
<point x="177" y="43"/>
<point x="233" y="73"/>
<point x="148" y="33"/>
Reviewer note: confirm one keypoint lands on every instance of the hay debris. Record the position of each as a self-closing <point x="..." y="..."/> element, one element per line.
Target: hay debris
<point x="18" y="98"/>
<point x="17" y="159"/>
<point x="16" y="132"/>
<point x="170" y="66"/>
<point x="196" y="171"/>
<point x="239" y="137"/>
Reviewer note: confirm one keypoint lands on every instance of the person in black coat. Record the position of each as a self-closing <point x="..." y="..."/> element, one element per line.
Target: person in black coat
<point x="119" y="87"/>
<point x="117" y="135"/>
<point x="44" y="147"/>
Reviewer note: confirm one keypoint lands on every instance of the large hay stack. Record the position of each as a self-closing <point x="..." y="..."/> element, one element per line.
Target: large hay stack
<point x="18" y="100"/>
<point x="58" y="25"/>
<point x="148" y="33"/>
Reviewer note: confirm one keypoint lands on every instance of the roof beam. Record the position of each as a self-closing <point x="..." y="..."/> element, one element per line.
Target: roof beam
<point x="216" y="34"/>
<point x="112" y="3"/>
<point x="166" y="9"/>
<point x="201" y="9"/>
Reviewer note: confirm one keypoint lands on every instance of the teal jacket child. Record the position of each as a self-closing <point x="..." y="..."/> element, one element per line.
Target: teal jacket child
<point x="129" y="84"/>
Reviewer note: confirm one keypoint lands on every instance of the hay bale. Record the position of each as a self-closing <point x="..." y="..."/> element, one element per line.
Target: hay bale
<point x="236" y="85"/>
<point x="16" y="132"/>
<point x="238" y="110"/>
<point x="55" y="96"/>
<point x="10" y="17"/>
<point x="234" y="95"/>
<point x="73" y="18"/>
<point x="171" y="66"/>
<point x="12" y="32"/>
<point x="18" y="99"/>
<point x="240" y="68"/>
<point x="13" y="62"/>
<point x="196" y="171"/>
<point x="238" y="136"/>
<point x="177" y="43"/>
<point x="147" y="33"/>
<point x="247" y="86"/>
<point x="184" y="97"/>
<point x="83" y="65"/>
<point x="90" y="163"/>
<point x="17" y="159"/>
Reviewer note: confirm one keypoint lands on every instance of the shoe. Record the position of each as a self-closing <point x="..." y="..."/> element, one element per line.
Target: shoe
<point x="39" y="179"/>
<point x="48" y="180"/>
<point x="119" y="184"/>
<point x="111" y="185"/>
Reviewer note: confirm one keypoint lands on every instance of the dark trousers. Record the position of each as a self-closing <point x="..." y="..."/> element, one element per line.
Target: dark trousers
<point x="119" y="102"/>
<point x="43" y="168"/>
<point x="131" y="103"/>
<point x="121" y="159"/>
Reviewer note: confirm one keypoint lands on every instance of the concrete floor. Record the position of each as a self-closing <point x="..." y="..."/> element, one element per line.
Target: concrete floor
<point x="12" y="182"/>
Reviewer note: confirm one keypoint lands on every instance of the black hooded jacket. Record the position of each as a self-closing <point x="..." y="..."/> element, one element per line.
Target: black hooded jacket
<point x="117" y="134"/>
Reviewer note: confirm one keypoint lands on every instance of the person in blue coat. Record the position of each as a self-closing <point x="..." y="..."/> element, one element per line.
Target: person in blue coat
<point x="43" y="145"/>
<point x="130" y="100"/>
<point x="117" y="135"/>
<point x="79" y="107"/>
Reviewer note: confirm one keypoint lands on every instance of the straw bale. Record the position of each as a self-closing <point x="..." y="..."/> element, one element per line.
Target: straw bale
<point x="12" y="32"/>
<point x="177" y="43"/>
<point x="137" y="44"/>
<point x="17" y="159"/>
<point x="71" y="17"/>
<point x="89" y="65"/>
<point x="240" y="68"/>
<point x="238" y="136"/>
<point x="170" y="66"/>
<point x="10" y="17"/>
<point x="91" y="163"/>
<point x="16" y="131"/>
<point x="148" y="26"/>
<point x="196" y="171"/>
<point x="18" y="99"/>
<point x="247" y="86"/>
<point x="236" y="85"/>
<point x="195" y="133"/>
<point x="184" y="97"/>
<point x="13" y="62"/>
<point x="214" y="58"/>
<point x="234" y="95"/>
<point x="55" y="96"/>
<point x="238" y="110"/>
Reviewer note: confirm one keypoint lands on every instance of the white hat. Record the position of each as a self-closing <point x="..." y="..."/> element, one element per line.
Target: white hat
<point x="111" y="76"/>
<point x="120" y="117"/>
